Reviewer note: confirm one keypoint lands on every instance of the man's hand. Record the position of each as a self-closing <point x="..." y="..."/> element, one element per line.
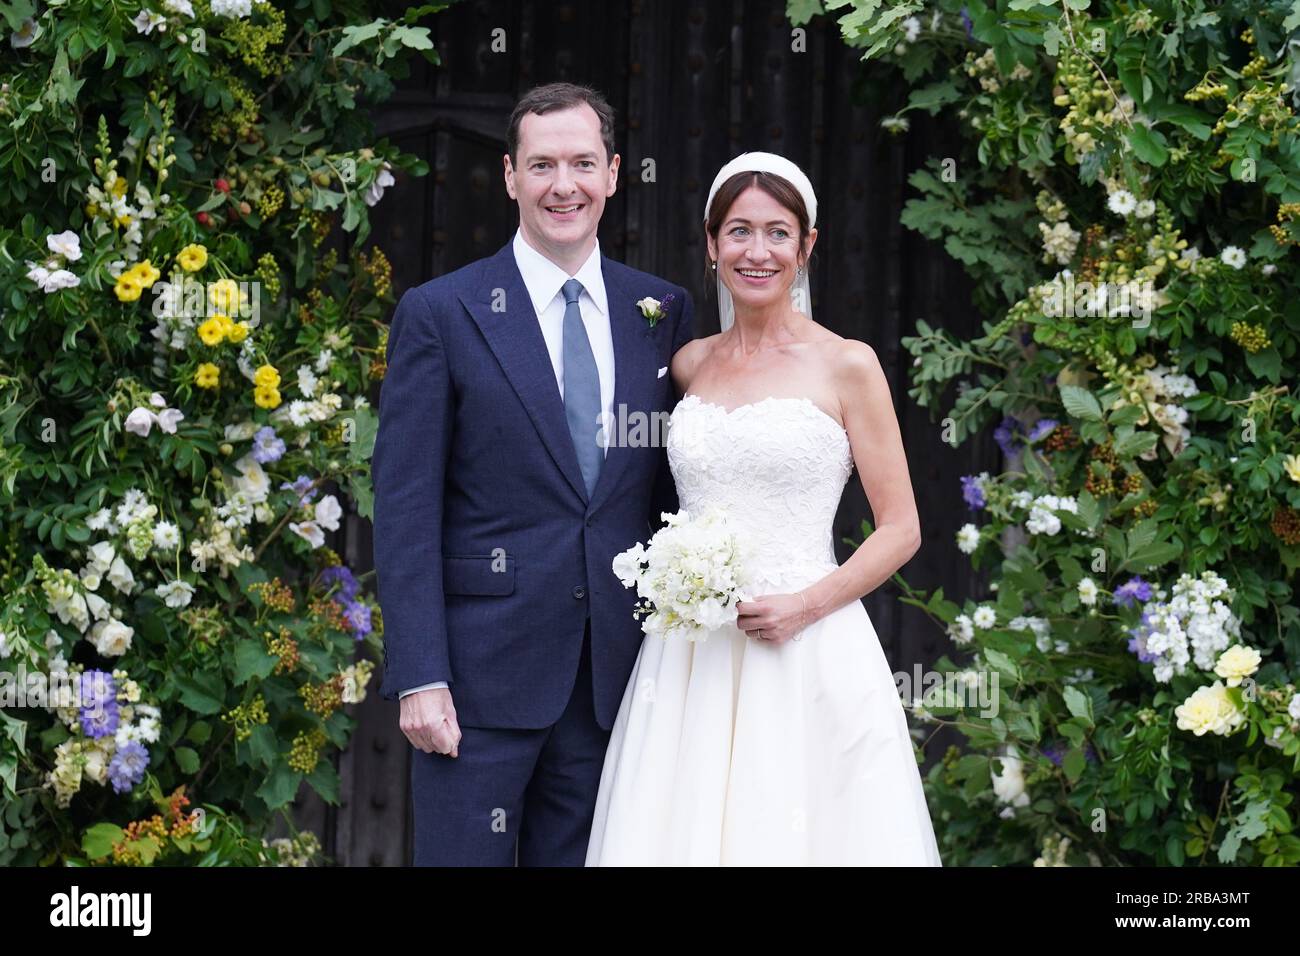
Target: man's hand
<point x="428" y="719"/>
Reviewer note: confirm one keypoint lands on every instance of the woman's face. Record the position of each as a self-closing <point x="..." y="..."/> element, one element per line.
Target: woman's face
<point x="757" y="249"/>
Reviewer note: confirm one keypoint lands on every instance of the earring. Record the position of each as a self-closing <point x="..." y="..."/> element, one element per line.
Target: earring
<point x="801" y="270"/>
<point x="713" y="266"/>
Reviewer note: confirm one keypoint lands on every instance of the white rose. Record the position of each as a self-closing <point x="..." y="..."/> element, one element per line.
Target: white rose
<point x="140" y="421"/>
<point x="112" y="638"/>
<point x="328" y="513"/>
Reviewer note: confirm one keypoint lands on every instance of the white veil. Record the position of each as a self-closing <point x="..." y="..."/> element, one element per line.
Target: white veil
<point x="800" y="293"/>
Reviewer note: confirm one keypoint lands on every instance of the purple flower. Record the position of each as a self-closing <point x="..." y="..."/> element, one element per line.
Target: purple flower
<point x="1042" y="428"/>
<point x="966" y="22"/>
<point x="971" y="492"/>
<point x="100" y="719"/>
<point x="344" y="578"/>
<point x="1133" y="591"/>
<point x="126" y="769"/>
<point x="266" y="446"/>
<point x="358" y="618"/>
<point x="98" y="713"/>
<point x="300" y="487"/>
<point x="1010" y="430"/>
<point x="1057" y="750"/>
<point x="1138" y="645"/>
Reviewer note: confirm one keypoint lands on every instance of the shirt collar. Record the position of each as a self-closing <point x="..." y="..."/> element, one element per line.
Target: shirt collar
<point x="544" y="279"/>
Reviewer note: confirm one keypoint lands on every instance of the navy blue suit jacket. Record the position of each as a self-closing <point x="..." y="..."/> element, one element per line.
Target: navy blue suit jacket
<point x="489" y="555"/>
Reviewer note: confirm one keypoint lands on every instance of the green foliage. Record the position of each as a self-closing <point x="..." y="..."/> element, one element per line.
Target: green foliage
<point x="184" y="376"/>
<point x="1127" y="202"/>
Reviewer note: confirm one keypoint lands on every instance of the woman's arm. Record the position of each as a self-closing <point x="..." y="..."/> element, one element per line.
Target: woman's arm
<point x="877" y="444"/>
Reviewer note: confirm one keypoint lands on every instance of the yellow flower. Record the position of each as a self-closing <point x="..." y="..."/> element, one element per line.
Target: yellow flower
<point x="1291" y="463"/>
<point x="148" y="274"/>
<point x="266" y="396"/>
<point x="266" y="375"/>
<point x="207" y="375"/>
<point x="118" y="188"/>
<point x="1208" y="710"/>
<point x="128" y="286"/>
<point x="1236" y="663"/>
<point x="224" y="294"/>
<point x="211" y="331"/>
<point x="237" y="332"/>
<point x="193" y="257"/>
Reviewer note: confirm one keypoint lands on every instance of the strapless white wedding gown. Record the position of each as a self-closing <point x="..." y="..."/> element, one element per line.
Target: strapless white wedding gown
<point x="733" y="751"/>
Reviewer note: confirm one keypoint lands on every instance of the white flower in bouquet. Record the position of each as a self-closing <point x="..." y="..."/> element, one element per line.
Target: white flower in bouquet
<point x="689" y="576"/>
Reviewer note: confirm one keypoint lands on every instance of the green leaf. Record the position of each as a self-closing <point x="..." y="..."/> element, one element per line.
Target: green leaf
<point x="187" y="759"/>
<point x="1078" y="703"/>
<point x="252" y="660"/>
<point x="1080" y="403"/>
<point x="1074" y="764"/>
<point x="324" y="779"/>
<point x="1135" y="444"/>
<point x="97" y="842"/>
<point x="1003" y="663"/>
<point x="280" y="786"/>
<point x="201" y="692"/>
<point x="1148" y="145"/>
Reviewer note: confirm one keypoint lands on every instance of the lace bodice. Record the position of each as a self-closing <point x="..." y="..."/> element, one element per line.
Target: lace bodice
<point x="776" y="467"/>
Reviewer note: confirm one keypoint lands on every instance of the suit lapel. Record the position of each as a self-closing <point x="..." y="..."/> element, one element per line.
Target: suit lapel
<point x="515" y="338"/>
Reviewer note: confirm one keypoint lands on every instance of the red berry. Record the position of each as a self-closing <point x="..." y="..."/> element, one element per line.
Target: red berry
<point x="222" y="185"/>
<point x="204" y="219"/>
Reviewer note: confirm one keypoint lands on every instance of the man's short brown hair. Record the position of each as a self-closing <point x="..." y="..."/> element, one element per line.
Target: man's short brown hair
<point x="560" y="96"/>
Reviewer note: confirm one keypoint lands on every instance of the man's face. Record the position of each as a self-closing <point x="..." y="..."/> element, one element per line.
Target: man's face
<point x="562" y="180"/>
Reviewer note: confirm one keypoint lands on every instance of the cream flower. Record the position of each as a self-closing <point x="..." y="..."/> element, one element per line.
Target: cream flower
<point x="112" y="638"/>
<point x="1209" y="710"/>
<point x="1237" y="663"/>
<point x="1291" y="465"/>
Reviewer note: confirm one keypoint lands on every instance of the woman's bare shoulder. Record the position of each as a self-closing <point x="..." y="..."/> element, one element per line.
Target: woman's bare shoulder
<point x="687" y="359"/>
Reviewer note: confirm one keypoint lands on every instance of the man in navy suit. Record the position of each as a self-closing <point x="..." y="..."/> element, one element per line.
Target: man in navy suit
<point x="502" y="495"/>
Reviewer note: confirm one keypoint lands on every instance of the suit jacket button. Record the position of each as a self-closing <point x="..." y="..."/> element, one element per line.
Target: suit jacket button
<point x="580" y="592"/>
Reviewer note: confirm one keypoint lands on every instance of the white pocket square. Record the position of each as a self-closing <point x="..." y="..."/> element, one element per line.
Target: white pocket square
<point x="663" y="371"/>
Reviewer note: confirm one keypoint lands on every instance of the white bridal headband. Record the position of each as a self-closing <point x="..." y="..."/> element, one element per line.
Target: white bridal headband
<point x="800" y="295"/>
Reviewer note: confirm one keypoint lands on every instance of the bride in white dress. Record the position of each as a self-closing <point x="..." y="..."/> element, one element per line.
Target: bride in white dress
<point x="781" y="739"/>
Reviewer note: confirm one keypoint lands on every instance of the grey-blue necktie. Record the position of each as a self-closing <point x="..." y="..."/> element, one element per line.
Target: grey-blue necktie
<point x="581" y="388"/>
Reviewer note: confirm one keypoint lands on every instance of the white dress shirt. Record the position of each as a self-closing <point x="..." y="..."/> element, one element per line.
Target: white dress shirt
<point x="544" y="281"/>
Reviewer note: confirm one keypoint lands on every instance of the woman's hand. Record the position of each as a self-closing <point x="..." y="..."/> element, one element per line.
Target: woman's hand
<point x="774" y="618"/>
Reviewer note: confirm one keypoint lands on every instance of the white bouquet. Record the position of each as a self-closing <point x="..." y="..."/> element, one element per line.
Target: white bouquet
<point x="689" y="575"/>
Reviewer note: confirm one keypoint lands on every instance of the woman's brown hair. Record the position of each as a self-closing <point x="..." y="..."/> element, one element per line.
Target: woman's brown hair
<point x="778" y="187"/>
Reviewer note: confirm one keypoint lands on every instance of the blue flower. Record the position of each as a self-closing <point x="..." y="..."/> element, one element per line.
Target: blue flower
<point x="968" y="24"/>
<point x="972" y="492"/>
<point x="1008" y="434"/>
<point x="98" y="712"/>
<point x="1057" y="750"/>
<point x="1042" y="428"/>
<point x="344" y="578"/>
<point x="267" y="447"/>
<point x="126" y="769"/>
<point x="1137" y="644"/>
<point x="358" y="618"/>
<point x="1133" y="591"/>
<point x="300" y="487"/>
